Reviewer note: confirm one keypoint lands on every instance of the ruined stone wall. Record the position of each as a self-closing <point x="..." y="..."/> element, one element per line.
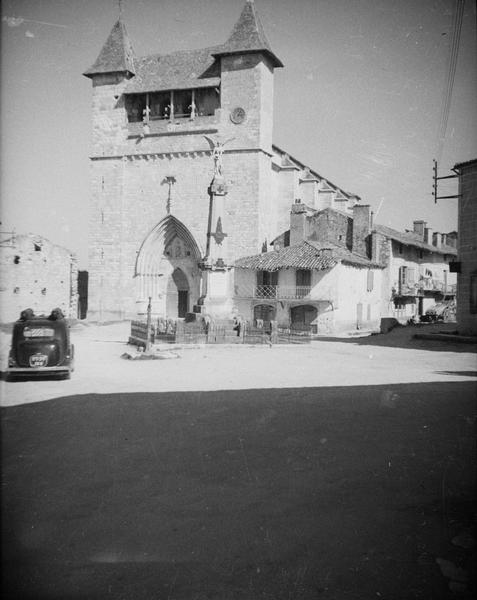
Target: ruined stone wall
<point x="36" y="274"/>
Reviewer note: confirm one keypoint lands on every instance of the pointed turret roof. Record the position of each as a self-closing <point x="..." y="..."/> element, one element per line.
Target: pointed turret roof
<point x="117" y="54"/>
<point x="248" y="36"/>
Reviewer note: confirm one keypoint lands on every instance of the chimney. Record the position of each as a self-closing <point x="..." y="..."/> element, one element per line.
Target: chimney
<point x="428" y="236"/>
<point x="297" y="223"/>
<point x="419" y="227"/>
<point x="361" y="229"/>
<point x="436" y="239"/>
<point x="451" y="239"/>
<point x="443" y="239"/>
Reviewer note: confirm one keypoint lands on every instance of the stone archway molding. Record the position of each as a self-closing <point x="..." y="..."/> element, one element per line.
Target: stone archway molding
<point x="148" y="261"/>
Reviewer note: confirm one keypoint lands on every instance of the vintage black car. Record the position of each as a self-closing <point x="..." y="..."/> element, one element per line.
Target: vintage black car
<point x="41" y="346"/>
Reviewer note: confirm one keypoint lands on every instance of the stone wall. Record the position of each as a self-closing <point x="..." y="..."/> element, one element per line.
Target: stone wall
<point x="467" y="249"/>
<point x="361" y="229"/>
<point x="130" y="198"/>
<point x="36" y="274"/>
<point x="129" y="193"/>
<point x="331" y="226"/>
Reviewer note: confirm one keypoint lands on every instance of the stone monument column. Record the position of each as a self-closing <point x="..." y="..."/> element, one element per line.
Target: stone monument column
<point x="217" y="289"/>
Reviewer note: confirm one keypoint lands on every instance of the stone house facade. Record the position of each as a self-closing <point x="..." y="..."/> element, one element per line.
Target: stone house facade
<point x="185" y="178"/>
<point x="467" y="248"/>
<point x="336" y="270"/>
<point x="417" y="273"/>
<point x="37" y="274"/>
<point x="318" y="275"/>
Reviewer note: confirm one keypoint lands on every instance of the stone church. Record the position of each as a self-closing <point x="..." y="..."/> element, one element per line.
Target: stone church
<point x="185" y="178"/>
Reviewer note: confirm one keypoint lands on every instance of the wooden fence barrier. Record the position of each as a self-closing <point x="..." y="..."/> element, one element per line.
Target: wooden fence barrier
<point x="220" y="332"/>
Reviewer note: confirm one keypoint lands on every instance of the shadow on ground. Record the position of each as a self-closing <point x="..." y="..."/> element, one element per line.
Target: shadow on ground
<point x="321" y="493"/>
<point x="458" y="373"/>
<point x="403" y="337"/>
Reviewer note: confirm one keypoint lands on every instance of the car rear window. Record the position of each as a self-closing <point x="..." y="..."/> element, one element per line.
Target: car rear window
<point x="38" y="332"/>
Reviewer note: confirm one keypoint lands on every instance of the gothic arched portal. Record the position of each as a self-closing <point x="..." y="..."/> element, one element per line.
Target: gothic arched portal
<point x="167" y="269"/>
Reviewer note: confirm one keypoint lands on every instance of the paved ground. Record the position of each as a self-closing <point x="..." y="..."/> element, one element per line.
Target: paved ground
<point x="343" y="470"/>
<point x="373" y="360"/>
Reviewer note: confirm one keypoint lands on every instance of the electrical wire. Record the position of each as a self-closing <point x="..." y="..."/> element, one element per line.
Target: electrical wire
<point x="454" y="53"/>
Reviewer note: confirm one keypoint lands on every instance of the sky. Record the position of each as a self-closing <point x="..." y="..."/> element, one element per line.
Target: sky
<point x="359" y="100"/>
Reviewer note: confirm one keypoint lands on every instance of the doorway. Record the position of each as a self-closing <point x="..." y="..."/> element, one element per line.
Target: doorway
<point x="182" y="303"/>
<point x="302" y="316"/>
<point x="359" y="315"/>
<point x="178" y="294"/>
<point x="263" y="314"/>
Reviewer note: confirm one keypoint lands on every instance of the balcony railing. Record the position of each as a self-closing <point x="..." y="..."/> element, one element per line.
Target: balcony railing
<point x="179" y="123"/>
<point x="426" y="285"/>
<point x="273" y="292"/>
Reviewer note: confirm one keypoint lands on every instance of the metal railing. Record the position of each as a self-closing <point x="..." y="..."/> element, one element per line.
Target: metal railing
<point x="428" y="285"/>
<point x="273" y="292"/>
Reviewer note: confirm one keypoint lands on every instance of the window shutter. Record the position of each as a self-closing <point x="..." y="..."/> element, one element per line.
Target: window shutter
<point x="370" y="283"/>
<point x="402" y="275"/>
<point x="303" y="277"/>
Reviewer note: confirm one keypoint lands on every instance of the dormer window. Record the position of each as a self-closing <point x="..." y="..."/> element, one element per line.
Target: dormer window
<point x="173" y="104"/>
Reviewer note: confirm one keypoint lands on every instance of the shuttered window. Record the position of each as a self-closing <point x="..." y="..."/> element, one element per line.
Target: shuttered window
<point x="303" y="277"/>
<point x="267" y="277"/>
<point x="406" y="276"/>
<point x="370" y="282"/>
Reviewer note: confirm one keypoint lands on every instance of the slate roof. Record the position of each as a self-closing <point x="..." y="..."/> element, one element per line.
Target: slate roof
<point x="183" y="69"/>
<point x="117" y="54"/>
<point x="305" y="255"/>
<point x="180" y="70"/>
<point x="248" y="36"/>
<point x="413" y="239"/>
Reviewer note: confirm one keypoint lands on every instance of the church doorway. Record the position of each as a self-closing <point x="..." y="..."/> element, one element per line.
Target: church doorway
<point x="178" y="294"/>
<point x="167" y="270"/>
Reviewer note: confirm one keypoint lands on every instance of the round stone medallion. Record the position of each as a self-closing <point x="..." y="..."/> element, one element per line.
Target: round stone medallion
<point x="237" y="116"/>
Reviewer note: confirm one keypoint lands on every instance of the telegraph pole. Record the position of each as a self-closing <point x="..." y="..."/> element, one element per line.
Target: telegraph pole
<point x="436" y="179"/>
